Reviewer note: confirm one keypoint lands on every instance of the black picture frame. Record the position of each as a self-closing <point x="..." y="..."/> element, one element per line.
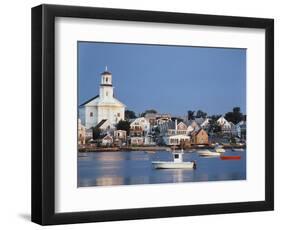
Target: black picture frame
<point x="43" y="114"/>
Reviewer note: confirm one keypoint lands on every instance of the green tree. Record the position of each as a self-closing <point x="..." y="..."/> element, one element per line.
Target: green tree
<point x="213" y="125"/>
<point x="148" y="111"/>
<point x="123" y="125"/>
<point x="200" y="114"/>
<point x="235" y="116"/>
<point x="190" y="115"/>
<point x="129" y="114"/>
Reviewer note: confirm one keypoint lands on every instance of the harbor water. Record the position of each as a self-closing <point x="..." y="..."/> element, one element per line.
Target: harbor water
<point x="131" y="168"/>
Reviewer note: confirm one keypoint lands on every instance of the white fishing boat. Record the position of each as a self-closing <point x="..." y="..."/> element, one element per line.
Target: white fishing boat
<point x="177" y="163"/>
<point x="207" y="153"/>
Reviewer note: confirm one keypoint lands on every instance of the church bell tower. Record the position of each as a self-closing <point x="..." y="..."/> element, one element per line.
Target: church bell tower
<point x="106" y="88"/>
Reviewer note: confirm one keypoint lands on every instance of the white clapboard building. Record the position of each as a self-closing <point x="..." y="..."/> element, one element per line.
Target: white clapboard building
<point x="103" y="106"/>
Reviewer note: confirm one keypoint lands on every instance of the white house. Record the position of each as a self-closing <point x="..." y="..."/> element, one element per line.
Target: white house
<point x="233" y="129"/>
<point x="189" y="129"/>
<point x="241" y="129"/>
<point x="205" y="123"/>
<point x="103" y="106"/>
<point x="120" y="135"/>
<point x="140" y="127"/>
<point x="174" y="133"/>
<point x="106" y="140"/>
<point x="224" y="124"/>
<point x="176" y="139"/>
<point x="141" y="123"/>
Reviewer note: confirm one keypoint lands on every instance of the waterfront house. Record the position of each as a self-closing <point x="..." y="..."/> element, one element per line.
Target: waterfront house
<point x="120" y="135"/>
<point x="140" y="123"/>
<point x="169" y="128"/>
<point x="140" y="127"/>
<point x="224" y="124"/>
<point x="174" y="133"/>
<point x="205" y="124"/>
<point x="241" y="129"/>
<point x="176" y="140"/>
<point x="233" y="129"/>
<point x="162" y="118"/>
<point x="106" y="140"/>
<point x="151" y="118"/>
<point x="199" y="137"/>
<point x="81" y="133"/>
<point x="136" y="140"/>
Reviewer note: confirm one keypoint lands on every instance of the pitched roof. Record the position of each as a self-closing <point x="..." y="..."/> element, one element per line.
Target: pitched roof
<point x="106" y="135"/>
<point x="106" y="72"/>
<point x="86" y="102"/>
<point x="101" y="123"/>
<point x="196" y="131"/>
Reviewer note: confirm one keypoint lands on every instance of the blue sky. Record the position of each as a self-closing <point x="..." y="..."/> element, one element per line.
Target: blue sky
<point x="170" y="79"/>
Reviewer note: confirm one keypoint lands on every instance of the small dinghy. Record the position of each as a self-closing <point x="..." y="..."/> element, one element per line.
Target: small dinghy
<point x="230" y="157"/>
<point x="208" y="153"/>
<point x="177" y="163"/>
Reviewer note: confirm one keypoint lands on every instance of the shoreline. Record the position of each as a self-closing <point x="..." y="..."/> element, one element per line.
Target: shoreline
<point x="151" y="148"/>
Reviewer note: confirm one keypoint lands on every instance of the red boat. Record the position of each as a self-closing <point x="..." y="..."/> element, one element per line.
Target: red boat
<point x="230" y="157"/>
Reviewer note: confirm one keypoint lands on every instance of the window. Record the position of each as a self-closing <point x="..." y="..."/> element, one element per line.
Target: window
<point x="118" y="114"/>
<point x="106" y="80"/>
<point x="91" y="114"/>
<point x="106" y="93"/>
<point x="176" y="156"/>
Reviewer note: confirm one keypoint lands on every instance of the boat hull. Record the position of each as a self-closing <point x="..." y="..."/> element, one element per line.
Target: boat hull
<point x="230" y="157"/>
<point x="208" y="153"/>
<point x="173" y="165"/>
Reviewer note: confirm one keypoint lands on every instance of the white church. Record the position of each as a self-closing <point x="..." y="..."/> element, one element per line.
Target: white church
<point x="103" y="110"/>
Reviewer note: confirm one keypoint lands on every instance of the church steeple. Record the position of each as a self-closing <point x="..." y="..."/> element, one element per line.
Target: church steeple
<point x="106" y="89"/>
<point x="106" y="77"/>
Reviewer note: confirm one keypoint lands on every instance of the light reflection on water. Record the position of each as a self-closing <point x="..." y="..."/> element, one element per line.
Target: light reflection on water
<point x="128" y="168"/>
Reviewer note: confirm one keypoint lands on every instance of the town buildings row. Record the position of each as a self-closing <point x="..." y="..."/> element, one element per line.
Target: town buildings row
<point x="160" y="129"/>
<point x="103" y="112"/>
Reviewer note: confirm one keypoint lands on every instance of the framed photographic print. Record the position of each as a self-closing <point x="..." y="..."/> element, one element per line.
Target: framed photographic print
<point x="142" y="114"/>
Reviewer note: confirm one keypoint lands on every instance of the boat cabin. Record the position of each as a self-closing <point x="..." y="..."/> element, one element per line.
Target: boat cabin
<point x="177" y="157"/>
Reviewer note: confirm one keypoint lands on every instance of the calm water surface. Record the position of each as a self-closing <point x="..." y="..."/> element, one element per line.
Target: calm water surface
<point x="128" y="168"/>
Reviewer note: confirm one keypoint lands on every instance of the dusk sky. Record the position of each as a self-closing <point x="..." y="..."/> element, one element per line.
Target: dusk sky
<point x="170" y="79"/>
